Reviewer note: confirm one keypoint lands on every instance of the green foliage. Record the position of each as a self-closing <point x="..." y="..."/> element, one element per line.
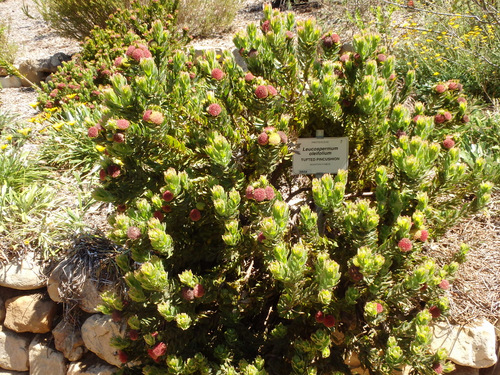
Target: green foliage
<point x="222" y="272"/>
<point x="7" y="49"/>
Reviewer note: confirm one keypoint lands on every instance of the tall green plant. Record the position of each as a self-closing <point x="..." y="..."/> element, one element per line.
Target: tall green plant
<point x="222" y="272"/>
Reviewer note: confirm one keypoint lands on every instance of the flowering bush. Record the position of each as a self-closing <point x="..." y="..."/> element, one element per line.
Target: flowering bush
<point x="226" y="269"/>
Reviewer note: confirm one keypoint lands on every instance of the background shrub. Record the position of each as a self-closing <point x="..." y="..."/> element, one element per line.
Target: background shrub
<point x="7" y="49"/>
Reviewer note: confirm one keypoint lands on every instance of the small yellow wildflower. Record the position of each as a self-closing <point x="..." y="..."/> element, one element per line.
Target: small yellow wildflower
<point x="71" y="96"/>
<point x="71" y="123"/>
<point x="58" y="126"/>
<point x="9" y="137"/>
<point x="24" y="131"/>
<point x="100" y="148"/>
<point x="435" y="73"/>
<point x="34" y="105"/>
<point x="4" y="146"/>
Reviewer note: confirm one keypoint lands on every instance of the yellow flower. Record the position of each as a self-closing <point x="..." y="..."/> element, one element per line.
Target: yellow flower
<point x="435" y="74"/>
<point x="8" y="138"/>
<point x="100" y="148"/>
<point x="456" y="26"/>
<point x="53" y="109"/>
<point x="58" y="126"/>
<point x="70" y="96"/>
<point x="24" y="131"/>
<point x="34" y="105"/>
<point x="437" y="55"/>
<point x="71" y="123"/>
<point x="4" y="146"/>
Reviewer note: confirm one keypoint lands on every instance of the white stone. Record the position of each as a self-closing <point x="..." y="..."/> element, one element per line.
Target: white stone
<point x="14" y="349"/>
<point x="45" y="360"/>
<point x="97" y="332"/>
<point x="68" y="340"/>
<point x="10" y="82"/>
<point x="469" y="345"/>
<point x="22" y="274"/>
<point x="90" y="367"/>
<point x="30" y="313"/>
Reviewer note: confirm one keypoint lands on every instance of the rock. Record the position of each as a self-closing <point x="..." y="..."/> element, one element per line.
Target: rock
<point x="3" y="72"/>
<point x="51" y="64"/>
<point x="14" y="349"/>
<point x="30" y="313"/>
<point x="68" y="340"/>
<point x="461" y="370"/>
<point x="61" y="288"/>
<point x="7" y="372"/>
<point x="90" y="366"/>
<point x="2" y="309"/>
<point x="29" y="69"/>
<point x="10" y="82"/>
<point x="23" y="274"/>
<point x="97" y="332"/>
<point x="239" y="60"/>
<point x="470" y="345"/>
<point x="44" y="360"/>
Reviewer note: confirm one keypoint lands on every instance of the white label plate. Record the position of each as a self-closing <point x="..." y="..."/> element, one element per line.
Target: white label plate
<point x="320" y="155"/>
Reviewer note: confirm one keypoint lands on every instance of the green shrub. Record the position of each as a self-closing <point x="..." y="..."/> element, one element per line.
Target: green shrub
<point x="222" y="272"/>
<point x="7" y="49"/>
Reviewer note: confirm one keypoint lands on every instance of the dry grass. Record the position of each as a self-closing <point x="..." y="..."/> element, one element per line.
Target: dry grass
<point x="475" y="292"/>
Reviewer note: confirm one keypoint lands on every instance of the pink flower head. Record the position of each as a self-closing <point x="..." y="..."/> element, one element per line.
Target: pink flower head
<point x="156" y="117"/>
<point x="448" y="142"/>
<point x="61" y="85"/>
<point x="289" y="35"/>
<point x="217" y="74"/>
<point x="187" y="293"/>
<point x="447" y="116"/>
<point x="261" y="92"/>
<point x="54" y="93"/>
<point x="118" y="61"/>
<point x="259" y="194"/>
<point x="392" y="77"/>
<point x="416" y="118"/>
<point x="166" y="208"/>
<point x="266" y="26"/>
<point x="355" y="274"/>
<point x="271" y="90"/>
<point x="405" y="245"/>
<point x="461" y="99"/>
<point x="133" y="335"/>
<point x="319" y="317"/>
<point x="198" y="291"/>
<point x="102" y="175"/>
<point x="119" y="137"/>
<point x="381" y="57"/>
<point x="330" y="40"/>
<point x="168" y="196"/>
<point x="345" y="57"/>
<point x="263" y="139"/>
<point x="261" y="238"/>
<point x="269" y="193"/>
<point x="122" y="124"/>
<point x="465" y="119"/>
<point x="440" y="88"/>
<point x="130" y="50"/>
<point x="157" y="351"/>
<point x="133" y="233"/>
<point x="93" y="132"/>
<point x="159" y="215"/>
<point x="283" y="137"/>
<point x="249" y="77"/>
<point x="214" y="109"/>
<point x="444" y="284"/>
<point x="438" y="368"/>
<point x="380" y="308"/>
<point x="435" y="311"/>
<point x="249" y="192"/>
<point x="452" y="85"/>
<point x="439" y="118"/>
<point x="329" y="321"/>
<point x="147" y="115"/>
<point x="138" y="54"/>
<point x="121" y="208"/>
<point x="274" y="139"/>
<point x="114" y="170"/>
<point x="122" y="356"/>
<point x="422" y="235"/>
<point x="195" y="214"/>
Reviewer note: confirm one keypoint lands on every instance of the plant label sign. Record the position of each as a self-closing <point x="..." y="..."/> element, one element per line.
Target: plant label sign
<point x="320" y="155"/>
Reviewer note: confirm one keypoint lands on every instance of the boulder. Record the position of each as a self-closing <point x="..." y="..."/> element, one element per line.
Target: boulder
<point x="30" y="70"/>
<point x="461" y="370"/>
<point x="68" y="340"/>
<point x="30" y="313"/>
<point x="469" y="345"/>
<point x="90" y="366"/>
<point x="97" y="332"/>
<point x="10" y="82"/>
<point x="44" y="360"/>
<point x="7" y="372"/>
<point x="14" y="349"/>
<point x="51" y="64"/>
<point x="2" y="309"/>
<point x="22" y="274"/>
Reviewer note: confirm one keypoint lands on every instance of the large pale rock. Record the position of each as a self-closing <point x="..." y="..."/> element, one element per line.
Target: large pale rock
<point x="22" y="274"/>
<point x="470" y="345"/>
<point x="7" y="372"/>
<point x="45" y="360"/>
<point x="10" y="82"/>
<point x="30" y="313"/>
<point x="97" y="332"/>
<point x="60" y="288"/>
<point x="91" y="365"/>
<point x="14" y="349"/>
<point x="30" y="70"/>
<point x="68" y="340"/>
